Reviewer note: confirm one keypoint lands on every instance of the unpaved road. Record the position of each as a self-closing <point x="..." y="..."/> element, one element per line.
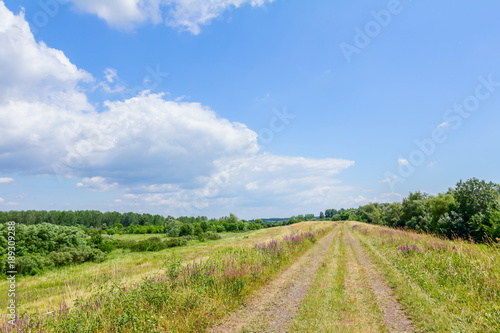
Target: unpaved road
<point x="274" y="307"/>
<point x="394" y="317"/>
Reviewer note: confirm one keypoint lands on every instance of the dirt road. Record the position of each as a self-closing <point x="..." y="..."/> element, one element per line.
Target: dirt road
<point x="333" y="287"/>
<point x="273" y="307"/>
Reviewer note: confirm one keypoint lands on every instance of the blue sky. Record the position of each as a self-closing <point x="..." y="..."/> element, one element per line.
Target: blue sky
<point x="262" y="108"/>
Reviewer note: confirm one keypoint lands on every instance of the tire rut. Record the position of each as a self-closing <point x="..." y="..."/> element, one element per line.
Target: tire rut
<point x="395" y="318"/>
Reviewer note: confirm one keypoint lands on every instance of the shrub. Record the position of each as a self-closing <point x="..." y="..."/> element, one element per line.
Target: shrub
<point x="124" y="244"/>
<point x="153" y="244"/>
<point x="60" y="258"/>
<point x="32" y="264"/>
<point x="174" y="242"/>
<point x="150" y="244"/>
<point x="107" y="245"/>
<point x="211" y="235"/>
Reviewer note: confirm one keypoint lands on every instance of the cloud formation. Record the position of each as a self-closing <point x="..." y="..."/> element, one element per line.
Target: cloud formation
<point x="182" y="14"/>
<point x="159" y="152"/>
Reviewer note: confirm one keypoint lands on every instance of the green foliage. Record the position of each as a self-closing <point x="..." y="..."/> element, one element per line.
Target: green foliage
<point x="153" y="244"/>
<point x="43" y="246"/>
<point x="173" y="228"/>
<point x="416" y="213"/>
<point x="42" y="238"/>
<point x="474" y="196"/>
<point x="392" y="214"/>
<point x="309" y="217"/>
<point x="186" y="230"/>
<point x="33" y="264"/>
<point x="471" y="210"/>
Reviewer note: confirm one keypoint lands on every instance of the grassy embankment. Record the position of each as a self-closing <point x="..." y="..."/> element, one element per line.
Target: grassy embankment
<point x="443" y="285"/>
<point x="123" y="269"/>
<point x="446" y="286"/>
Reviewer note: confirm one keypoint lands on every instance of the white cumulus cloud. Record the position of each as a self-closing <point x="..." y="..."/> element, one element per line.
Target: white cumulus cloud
<point x="97" y="184"/>
<point x="5" y="180"/>
<point x="388" y="179"/>
<point x="183" y="14"/>
<point x="159" y="152"/>
<point x="32" y="71"/>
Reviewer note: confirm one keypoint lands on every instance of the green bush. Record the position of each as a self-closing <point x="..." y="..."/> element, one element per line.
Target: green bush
<point x="174" y="242"/>
<point x="124" y="244"/>
<point x="209" y="235"/>
<point x="153" y="244"/>
<point x="83" y="254"/>
<point x="150" y="244"/>
<point x="32" y="264"/>
<point x="60" y="258"/>
<point x="41" y="238"/>
<point x="107" y="245"/>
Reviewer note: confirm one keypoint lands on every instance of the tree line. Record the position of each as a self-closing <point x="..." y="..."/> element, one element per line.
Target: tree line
<point x="470" y="210"/>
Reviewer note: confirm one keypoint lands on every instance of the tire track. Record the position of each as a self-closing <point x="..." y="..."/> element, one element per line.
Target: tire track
<point x="395" y="318"/>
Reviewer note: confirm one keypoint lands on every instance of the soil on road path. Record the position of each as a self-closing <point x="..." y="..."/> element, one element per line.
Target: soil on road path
<point x="395" y="318"/>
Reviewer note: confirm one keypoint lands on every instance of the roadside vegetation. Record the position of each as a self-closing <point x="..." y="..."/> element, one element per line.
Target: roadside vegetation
<point x="471" y="210"/>
<point x="445" y="285"/>
<point x="180" y="297"/>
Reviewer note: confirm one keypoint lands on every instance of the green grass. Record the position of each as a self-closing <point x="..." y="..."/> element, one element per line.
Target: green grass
<point x="446" y="286"/>
<point x="180" y="297"/>
<point x="324" y="306"/>
<point x="340" y="299"/>
<point x="47" y="290"/>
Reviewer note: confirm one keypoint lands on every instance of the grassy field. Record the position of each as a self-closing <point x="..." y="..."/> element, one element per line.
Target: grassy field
<point x="361" y="278"/>
<point x="46" y="291"/>
<point x="445" y="286"/>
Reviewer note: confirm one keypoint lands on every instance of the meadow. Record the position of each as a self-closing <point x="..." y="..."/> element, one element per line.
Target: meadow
<point x="445" y="285"/>
<point x="366" y="278"/>
<point x="61" y="287"/>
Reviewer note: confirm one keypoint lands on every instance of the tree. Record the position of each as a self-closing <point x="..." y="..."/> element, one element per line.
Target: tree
<point x="416" y="214"/>
<point x="371" y="213"/>
<point x="186" y="229"/>
<point x="392" y="214"/>
<point x="321" y="215"/>
<point x="477" y="201"/>
<point x="440" y="205"/>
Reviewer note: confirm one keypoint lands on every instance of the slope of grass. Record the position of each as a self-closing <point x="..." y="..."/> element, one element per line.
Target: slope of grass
<point x="446" y="286"/>
<point x="46" y="291"/>
<point x="182" y="297"/>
